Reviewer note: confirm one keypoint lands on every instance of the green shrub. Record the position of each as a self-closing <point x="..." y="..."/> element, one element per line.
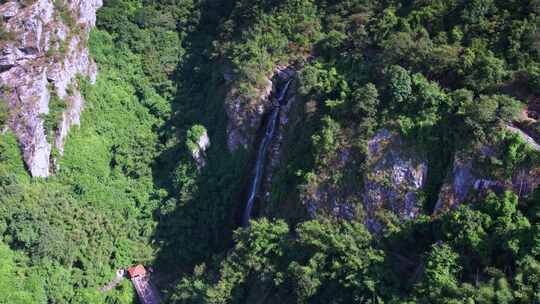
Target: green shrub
<point x="51" y="120"/>
<point x="533" y="73"/>
<point x="63" y="11"/>
<point x="193" y="136"/>
<point x="4" y="113"/>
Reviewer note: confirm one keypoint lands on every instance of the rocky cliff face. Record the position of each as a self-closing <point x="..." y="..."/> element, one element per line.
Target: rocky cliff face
<point x="458" y="184"/>
<point x="277" y="145"/>
<point x="198" y="152"/>
<point x="41" y="55"/>
<point x="467" y="177"/>
<point x="394" y="179"/>
<point x="246" y="113"/>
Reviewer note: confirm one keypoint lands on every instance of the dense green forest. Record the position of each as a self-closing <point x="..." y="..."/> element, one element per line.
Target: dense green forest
<point x="447" y="75"/>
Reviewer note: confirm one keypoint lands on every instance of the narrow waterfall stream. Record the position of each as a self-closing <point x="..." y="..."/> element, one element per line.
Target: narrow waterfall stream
<point x="261" y="154"/>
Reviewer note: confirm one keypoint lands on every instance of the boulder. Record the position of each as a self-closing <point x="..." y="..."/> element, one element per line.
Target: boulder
<point x="198" y="153"/>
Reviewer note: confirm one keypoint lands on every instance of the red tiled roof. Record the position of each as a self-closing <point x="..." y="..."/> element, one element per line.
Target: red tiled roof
<point x="136" y="271"/>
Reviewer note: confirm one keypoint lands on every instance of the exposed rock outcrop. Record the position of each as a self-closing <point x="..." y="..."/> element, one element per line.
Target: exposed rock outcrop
<point x="245" y="113"/>
<point x="39" y="63"/>
<point x="322" y="195"/>
<point x="394" y="179"/>
<point x="198" y="151"/>
<point x="458" y="185"/>
<point x="467" y="176"/>
<point x="528" y="139"/>
<point x="276" y="146"/>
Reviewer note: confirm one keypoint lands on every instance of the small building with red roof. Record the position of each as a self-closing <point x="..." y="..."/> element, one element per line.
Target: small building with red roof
<point x="147" y="292"/>
<point x="136" y="271"/>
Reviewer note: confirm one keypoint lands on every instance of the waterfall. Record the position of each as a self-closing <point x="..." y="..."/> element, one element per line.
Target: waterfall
<point x="270" y="129"/>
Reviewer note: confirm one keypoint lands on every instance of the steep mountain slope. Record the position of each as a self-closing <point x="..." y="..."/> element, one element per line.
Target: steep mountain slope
<point x="403" y="123"/>
<point x="383" y="151"/>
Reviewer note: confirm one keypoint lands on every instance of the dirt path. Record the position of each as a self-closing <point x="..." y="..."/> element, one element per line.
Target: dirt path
<point x="120" y="275"/>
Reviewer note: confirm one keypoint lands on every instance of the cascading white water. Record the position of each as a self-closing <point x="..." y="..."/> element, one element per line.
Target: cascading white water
<point x="261" y="154"/>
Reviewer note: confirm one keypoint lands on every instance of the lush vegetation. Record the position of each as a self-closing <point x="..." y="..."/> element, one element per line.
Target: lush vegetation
<point x="485" y="252"/>
<point x="448" y="76"/>
<point x="97" y="213"/>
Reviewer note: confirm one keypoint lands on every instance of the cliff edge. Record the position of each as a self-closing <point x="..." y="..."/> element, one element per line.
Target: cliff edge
<point x="43" y="50"/>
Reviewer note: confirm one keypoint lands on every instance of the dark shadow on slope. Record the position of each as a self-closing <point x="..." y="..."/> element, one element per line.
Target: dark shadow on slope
<point x="196" y="217"/>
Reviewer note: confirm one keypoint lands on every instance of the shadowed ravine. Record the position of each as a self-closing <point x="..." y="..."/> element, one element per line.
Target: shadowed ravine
<point x="261" y="153"/>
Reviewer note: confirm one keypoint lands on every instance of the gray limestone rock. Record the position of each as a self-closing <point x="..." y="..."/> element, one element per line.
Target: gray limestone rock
<point x="32" y="69"/>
